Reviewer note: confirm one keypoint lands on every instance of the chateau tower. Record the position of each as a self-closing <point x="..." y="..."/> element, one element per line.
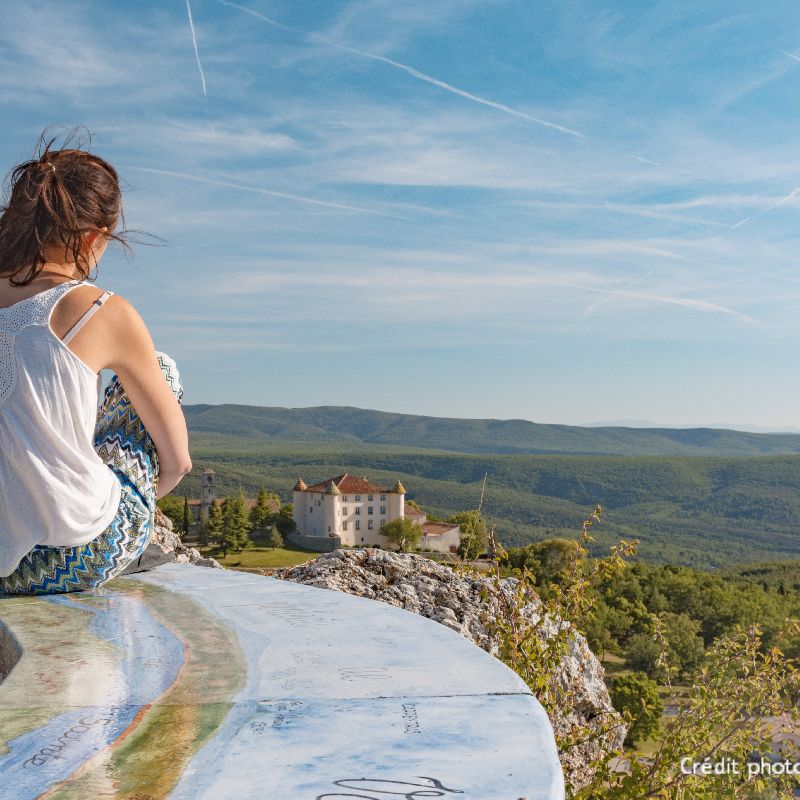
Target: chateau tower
<point x="396" y="500"/>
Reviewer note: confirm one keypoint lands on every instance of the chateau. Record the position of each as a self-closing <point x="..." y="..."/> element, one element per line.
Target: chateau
<point x="345" y="510"/>
<point x="353" y="509"/>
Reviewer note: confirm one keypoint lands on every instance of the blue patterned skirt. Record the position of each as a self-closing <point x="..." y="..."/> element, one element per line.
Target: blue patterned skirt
<point x="123" y="443"/>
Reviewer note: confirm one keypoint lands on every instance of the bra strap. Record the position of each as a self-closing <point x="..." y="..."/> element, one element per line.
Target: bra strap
<point x="93" y="309"/>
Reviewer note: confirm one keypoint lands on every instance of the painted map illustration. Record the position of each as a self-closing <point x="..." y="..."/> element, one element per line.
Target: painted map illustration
<point x="195" y="683"/>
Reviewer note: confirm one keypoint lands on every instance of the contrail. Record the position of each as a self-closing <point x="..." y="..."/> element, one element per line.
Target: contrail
<point x="257" y="190"/>
<point x="698" y="305"/>
<point x="448" y="87"/>
<point x="196" y="51"/>
<point x="415" y="73"/>
<point x="605" y="299"/>
<point x="780" y="202"/>
<point x="454" y="89"/>
<point x="791" y="55"/>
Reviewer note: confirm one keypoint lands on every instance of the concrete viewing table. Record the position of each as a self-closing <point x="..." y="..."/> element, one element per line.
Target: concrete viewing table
<point x="200" y="684"/>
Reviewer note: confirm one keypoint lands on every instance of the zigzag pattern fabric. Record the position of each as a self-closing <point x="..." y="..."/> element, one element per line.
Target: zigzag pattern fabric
<point x="123" y="443"/>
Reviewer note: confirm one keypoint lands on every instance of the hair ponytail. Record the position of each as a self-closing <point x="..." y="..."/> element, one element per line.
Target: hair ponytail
<point x="53" y="200"/>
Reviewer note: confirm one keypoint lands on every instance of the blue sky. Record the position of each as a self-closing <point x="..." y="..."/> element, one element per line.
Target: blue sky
<point x="558" y="211"/>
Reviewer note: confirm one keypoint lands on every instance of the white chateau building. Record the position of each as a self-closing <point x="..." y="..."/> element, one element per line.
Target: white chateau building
<point x="354" y="509"/>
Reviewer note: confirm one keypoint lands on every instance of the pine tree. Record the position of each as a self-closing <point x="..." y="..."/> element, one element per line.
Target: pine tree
<point x="203" y="531"/>
<point x="275" y="539"/>
<point x="228" y="538"/>
<point x="185" y="521"/>
<point x="215" y="523"/>
<point x="261" y="512"/>
<point x="239" y="525"/>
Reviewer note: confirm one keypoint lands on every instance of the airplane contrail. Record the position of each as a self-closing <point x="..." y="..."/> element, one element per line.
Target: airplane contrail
<point x="698" y="305"/>
<point x="607" y="298"/>
<point x="780" y="202"/>
<point x="448" y="87"/>
<point x="791" y="55"/>
<point x="415" y="73"/>
<point x="196" y="51"/>
<point x="258" y="190"/>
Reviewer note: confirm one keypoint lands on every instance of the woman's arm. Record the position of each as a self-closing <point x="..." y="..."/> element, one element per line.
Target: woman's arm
<point x="132" y="355"/>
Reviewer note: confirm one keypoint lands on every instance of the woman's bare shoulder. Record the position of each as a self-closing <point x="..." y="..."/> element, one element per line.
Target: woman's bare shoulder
<point x="124" y="322"/>
<point x="127" y="336"/>
<point x="71" y="307"/>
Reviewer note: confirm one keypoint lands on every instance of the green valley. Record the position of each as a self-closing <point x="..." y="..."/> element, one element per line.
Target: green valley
<point x="707" y="510"/>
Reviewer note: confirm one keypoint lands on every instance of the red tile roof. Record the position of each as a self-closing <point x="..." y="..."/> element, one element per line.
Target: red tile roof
<point x="410" y="511"/>
<point x="438" y="528"/>
<point x="248" y="501"/>
<point x="349" y="484"/>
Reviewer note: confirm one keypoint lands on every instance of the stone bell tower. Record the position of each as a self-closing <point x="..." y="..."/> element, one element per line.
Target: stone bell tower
<point x="208" y="492"/>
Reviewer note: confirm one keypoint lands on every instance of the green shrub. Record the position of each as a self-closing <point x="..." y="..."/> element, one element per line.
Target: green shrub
<point x="741" y="686"/>
<point x="636" y="697"/>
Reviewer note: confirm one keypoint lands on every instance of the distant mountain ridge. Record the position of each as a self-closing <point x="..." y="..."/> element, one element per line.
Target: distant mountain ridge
<point x="515" y="436"/>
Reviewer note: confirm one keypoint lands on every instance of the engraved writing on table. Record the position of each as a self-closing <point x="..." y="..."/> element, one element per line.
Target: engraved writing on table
<point x="380" y="788"/>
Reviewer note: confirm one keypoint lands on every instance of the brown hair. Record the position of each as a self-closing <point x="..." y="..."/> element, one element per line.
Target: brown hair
<point x="54" y="199"/>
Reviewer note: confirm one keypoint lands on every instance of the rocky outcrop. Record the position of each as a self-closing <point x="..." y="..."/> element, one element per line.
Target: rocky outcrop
<point x="170" y="544"/>
<point x="465" y="604"/>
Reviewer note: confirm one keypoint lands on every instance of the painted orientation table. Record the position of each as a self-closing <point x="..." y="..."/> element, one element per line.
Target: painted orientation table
<point x="203" y="684"/>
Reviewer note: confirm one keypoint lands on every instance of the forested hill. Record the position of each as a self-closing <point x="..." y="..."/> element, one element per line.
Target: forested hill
<point x="347" y="424"/>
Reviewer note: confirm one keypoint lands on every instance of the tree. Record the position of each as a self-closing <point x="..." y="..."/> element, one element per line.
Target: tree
<point x="403" y="532"/>
<point x="741" y="687"/>
<point x="185" y="520"/>
<point x="474" y="535"/>
<point x="215" y="522"/>
<point x="636" y="696"/>
<point x="275" y="539"/>
<point x="644" y="655"/>
<point x="261" y="512"/>
<point x="686" y="650"/>
<point x="203" y="531"/>
<point x="285" y="519"/>
<point x="238" y="523"/>
<point x="172" y="506"/>
<point x="228" y="538"/>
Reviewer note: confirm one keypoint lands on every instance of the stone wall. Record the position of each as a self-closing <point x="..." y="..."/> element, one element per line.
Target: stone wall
<point x="319" y="544"/>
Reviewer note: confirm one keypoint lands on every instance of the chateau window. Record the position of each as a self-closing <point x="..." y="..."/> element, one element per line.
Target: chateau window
<point x="358" y="498"/>
<point x="358" y="524"/>
<point x="369" y="524"/>
<point x="344" y="525"/>
<point x="344" y="499"/>
<point x="369" y="510"/>
<point x="383" y="509"/>
<point x="362" y="538"/>
<point x="358" y="510"/>
<point x="344" y="511"/>
<point x="369" y="497"/>
<point x="383" y="497"/>
<point x="311" y="510"/>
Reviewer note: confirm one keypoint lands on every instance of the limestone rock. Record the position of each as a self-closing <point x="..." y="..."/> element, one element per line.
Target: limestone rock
<point x="463" y="603"/>
<point x="170" y="543"/>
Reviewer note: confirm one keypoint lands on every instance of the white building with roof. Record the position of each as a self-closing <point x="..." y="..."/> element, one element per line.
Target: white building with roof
<point x="353" y="509"/>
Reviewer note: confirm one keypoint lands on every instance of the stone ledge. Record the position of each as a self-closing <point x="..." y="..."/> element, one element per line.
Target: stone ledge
<point x="196" y="684"/>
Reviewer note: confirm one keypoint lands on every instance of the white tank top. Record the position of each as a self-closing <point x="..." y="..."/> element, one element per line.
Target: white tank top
<point x="54" y="488"/>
